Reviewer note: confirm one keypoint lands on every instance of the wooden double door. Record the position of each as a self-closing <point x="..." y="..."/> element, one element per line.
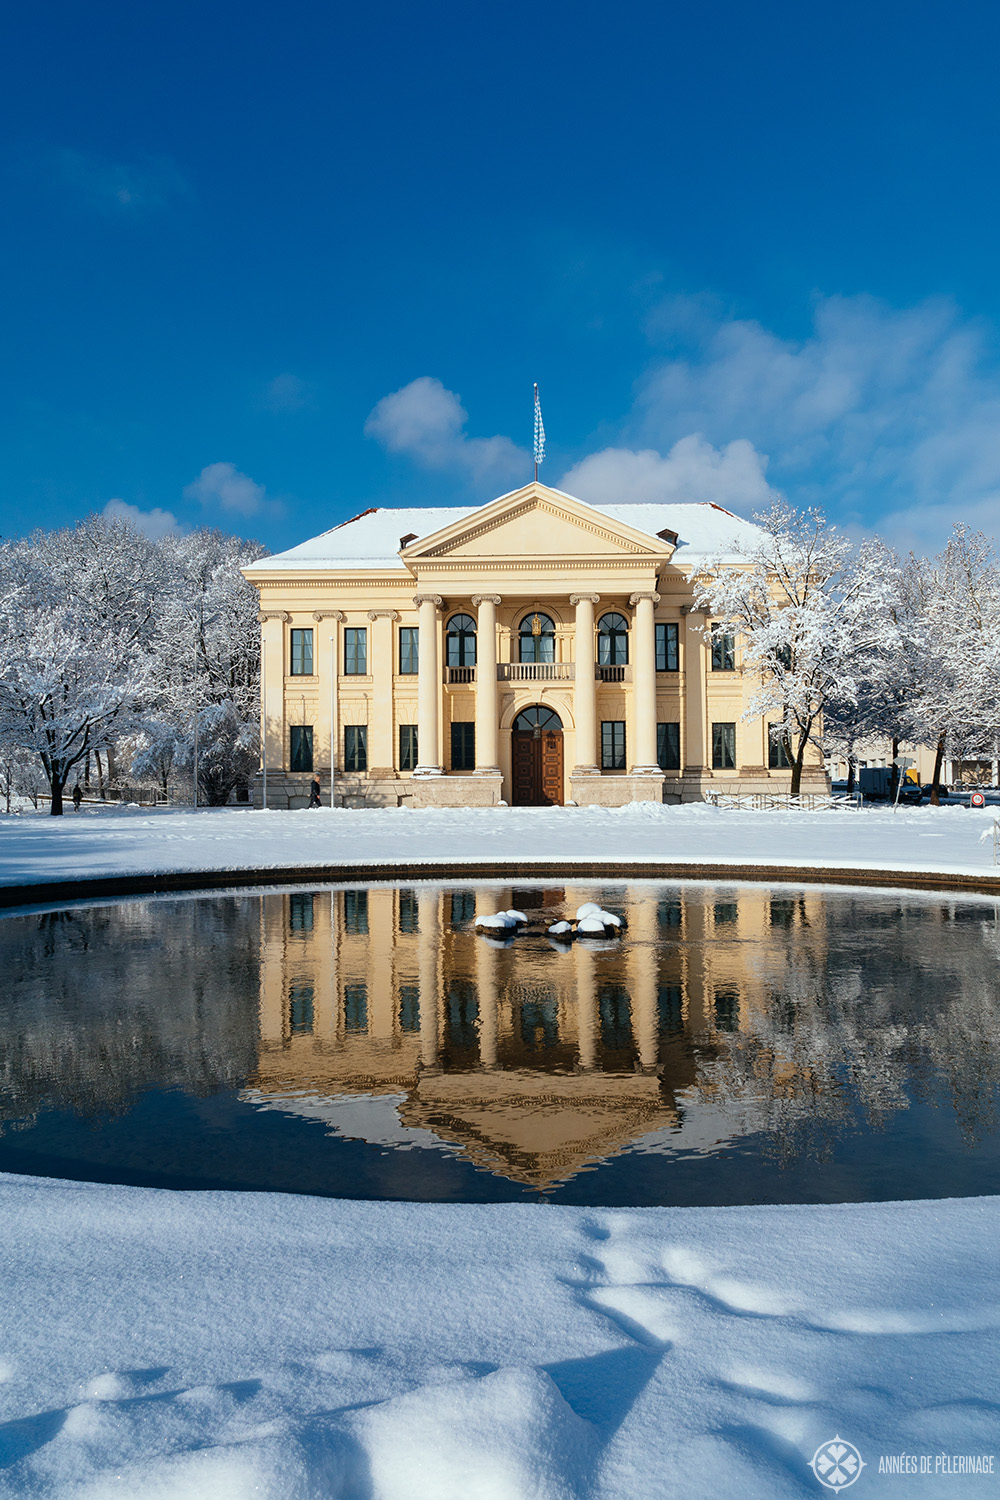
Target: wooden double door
<point x="537" y="767"/>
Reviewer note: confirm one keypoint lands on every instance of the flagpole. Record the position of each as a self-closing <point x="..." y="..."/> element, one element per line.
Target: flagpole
<point x="536" y="443"/>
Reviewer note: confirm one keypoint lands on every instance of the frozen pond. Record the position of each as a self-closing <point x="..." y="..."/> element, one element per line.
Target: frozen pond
<point x="739" y="1044"/>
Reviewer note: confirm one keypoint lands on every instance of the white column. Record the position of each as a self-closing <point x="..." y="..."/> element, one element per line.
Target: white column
<point x="585" y="685"/>
<point x="487" y="763"/>
<point x="428" y="687"/>
<point x="428" y="957"/>
<point x="643" y="946"/>
<point x="586" y="1007"/>
<point x="486" y="989"/>
<point x="644" y="670"/>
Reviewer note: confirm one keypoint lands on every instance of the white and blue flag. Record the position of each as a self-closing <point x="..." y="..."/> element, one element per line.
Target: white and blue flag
<point x="539" y="430"/>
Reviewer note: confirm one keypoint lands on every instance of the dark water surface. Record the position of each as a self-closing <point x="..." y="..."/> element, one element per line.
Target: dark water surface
<point x="740" y="1044"/>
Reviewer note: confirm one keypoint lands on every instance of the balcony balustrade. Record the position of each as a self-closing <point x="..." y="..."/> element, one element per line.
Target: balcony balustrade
<point x="455" y="675"/>
<point x="536" y="671"/>
<point x="613" y="674"/>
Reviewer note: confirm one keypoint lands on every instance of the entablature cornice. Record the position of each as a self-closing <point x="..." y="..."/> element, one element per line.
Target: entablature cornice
<point x="470" y="566"/>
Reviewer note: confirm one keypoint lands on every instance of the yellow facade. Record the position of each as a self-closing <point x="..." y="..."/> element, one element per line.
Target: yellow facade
<point x="639" y="709"/>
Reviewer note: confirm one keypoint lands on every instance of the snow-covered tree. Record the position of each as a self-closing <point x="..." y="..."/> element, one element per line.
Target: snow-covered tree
<point x="954" y="640"/>
<point x="207" y="649"/>
<point x="107" y="643"/>
<point x="814" y="617"/>
<point x="70" y="681"/>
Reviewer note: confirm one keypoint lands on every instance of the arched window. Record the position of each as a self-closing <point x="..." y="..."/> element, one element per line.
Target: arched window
<point x="460" y="641"/>
<point x="537" y="718"/>
<point x="612" y="641"/>
<point x="537" y="637"/>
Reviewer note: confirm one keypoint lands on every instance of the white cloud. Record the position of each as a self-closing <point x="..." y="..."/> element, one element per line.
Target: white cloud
<point x="223" y="485"/>
<point x="426" y="422"/>
<point x="155" y="523"/>
<point x="691" y="471"/>
<point x="886" y="417"/>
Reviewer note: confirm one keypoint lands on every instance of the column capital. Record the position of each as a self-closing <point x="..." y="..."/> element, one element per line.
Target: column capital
<point x="273" y="614"/>
<point x="584" y="598"/>
<point x="651" y="595"/>
<point x="383" y="614"/>
<point x="329" y="614"/>
<point x="434" y="599"/>
<point x="479" y="599"/>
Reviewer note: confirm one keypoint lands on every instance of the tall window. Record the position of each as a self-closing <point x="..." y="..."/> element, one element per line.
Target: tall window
<point x="355" y="747"/>
<point x="723" y="651"/>
<point x="612" y="641"/>
<point x="460" y="641"/>
<point x="613" y="745"/>
<point x="302" y="653"/>
<point x="300" y="911"/>
<point x="666" y="647"/>
<point x="409" y="650"/>
<point x="463" y="907"/>
<point x="301" y="747"/>
<point x="723" y="747"/>
<point x="409" y="1007"/>
<point x="408" y="911"/>
<point x="356" y="652"/>
<point x="777" y="754"/>
<point x="407" y="747"/>
<point x="537" y="638"/>
<point x="356" y="912"/>
<point x="463" y="746"/>
<point x="300" y="1009"/>
<point x="355" y="1007"/>
<point x="668" y="747"/>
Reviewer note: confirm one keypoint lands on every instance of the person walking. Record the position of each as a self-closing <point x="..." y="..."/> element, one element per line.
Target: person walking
<point x="77" y="796"/>
<point x="314" y="792"/>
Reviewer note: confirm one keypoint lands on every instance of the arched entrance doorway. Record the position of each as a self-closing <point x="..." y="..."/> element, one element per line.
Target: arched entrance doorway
<point x="537" y="758"/>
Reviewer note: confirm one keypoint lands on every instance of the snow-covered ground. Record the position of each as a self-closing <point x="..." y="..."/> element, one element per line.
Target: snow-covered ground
<point x="186" y="1346"/>
<point x="221" y="1346"/>
<point x="39" y="848"/>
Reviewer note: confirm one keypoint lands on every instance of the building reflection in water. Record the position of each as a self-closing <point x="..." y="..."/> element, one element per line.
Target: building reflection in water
<point x="784" y="1027"/>
<point x="719" y="1014"/>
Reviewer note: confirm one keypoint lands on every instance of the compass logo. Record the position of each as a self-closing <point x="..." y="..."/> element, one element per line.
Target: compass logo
<point x="837" y="1464"/>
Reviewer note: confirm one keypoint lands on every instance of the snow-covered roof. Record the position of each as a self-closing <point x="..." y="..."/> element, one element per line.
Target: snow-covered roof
<point x="371" y="539"/>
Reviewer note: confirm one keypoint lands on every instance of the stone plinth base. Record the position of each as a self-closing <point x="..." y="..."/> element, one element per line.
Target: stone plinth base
<point x="290" y="789"/>
<point x="615" y="791"/>
<point x="455" y="791"/>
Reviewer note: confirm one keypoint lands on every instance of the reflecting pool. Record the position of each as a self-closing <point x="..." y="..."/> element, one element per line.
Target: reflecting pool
<point x="738" y="1044"/>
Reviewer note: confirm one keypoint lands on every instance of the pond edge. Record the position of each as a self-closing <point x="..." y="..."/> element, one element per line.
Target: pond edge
<point x="366" y="872"/>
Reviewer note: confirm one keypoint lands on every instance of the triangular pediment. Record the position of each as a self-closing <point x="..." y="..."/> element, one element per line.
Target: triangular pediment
<point x="535" y="522"/>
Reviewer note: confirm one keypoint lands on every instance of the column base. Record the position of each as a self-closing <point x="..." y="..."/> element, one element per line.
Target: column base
<point x="487" y="771"/>
<point x="645" y="771"/>
<point x="456" y="791"/>
<point x="428" y="771"/>
<point x="616" y="791"/>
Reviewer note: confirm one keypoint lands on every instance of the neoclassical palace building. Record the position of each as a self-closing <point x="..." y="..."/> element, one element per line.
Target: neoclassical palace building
<point x="534" y="650"/>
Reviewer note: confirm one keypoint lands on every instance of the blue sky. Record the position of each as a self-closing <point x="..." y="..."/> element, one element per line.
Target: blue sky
<point x="265" y="266"/>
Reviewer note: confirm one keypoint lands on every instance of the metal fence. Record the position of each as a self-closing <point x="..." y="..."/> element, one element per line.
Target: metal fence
<point x="780" y="801"/>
